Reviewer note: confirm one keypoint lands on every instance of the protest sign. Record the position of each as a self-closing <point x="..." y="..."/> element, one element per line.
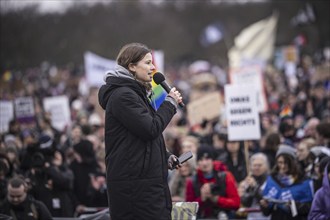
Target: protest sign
<point x="6" y="114"/>
<point x="251" y="75"/>
<point x="208" y="107"/>
<point x="24" y="109"/>
<point x="58" y="107"/>
<point x="96" y="67"/>
<point x="242" y="114"/>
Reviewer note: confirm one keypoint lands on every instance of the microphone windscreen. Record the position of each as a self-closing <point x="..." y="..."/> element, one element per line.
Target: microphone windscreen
<point x="158" y="78"/>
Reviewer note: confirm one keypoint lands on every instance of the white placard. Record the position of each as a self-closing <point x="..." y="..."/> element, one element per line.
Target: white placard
<point x="251" y="75"/>
<point x="58" y="107"/>
<point x="6" y="114"/>
<point x="242" y="113"/>
<point x="24" y="109"/>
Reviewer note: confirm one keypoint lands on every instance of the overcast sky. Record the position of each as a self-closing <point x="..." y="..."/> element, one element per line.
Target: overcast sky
<point x="45" y="6"/>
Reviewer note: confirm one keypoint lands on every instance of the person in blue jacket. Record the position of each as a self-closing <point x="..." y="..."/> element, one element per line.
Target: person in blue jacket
<point x="288" y="194"/>
<point x="137" y="161"/>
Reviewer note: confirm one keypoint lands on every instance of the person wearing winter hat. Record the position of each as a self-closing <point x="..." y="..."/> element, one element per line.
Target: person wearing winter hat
<point x="213" y="186"/>
<point x="288" y="185"/>
<point x="287" y="150"/>
<point x="206" y="152"/>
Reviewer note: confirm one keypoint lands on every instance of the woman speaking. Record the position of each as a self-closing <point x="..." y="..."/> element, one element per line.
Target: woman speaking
<point x="136" y="157"/>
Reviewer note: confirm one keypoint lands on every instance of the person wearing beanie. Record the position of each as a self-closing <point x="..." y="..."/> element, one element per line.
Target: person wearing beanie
<point x="286" y="149"/>
<point x="287" y="185"/>
<point x="213" y="186"/>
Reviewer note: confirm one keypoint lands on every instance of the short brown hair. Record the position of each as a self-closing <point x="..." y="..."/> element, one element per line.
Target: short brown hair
<point x="132" y="53"/>
<point x="17" y="182"/>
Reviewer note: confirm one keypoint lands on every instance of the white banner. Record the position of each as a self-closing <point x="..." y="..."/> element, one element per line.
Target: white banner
<point x="158" y="58"/>
<point x="251" y="75"/>
<point x="96" y="67"/>
<point x="58" y="107"/>
<point x="6" y="115"/>
<point x="242" y="114"/>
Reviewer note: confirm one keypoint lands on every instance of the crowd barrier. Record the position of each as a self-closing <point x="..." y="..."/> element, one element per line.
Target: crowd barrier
<point x="180" y="211"/>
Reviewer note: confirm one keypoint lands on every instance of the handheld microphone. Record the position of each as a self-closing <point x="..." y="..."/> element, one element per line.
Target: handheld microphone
<point x="159" y="79"/>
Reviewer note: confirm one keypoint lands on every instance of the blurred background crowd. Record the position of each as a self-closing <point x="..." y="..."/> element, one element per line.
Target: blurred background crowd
<point x="64" y="167"/>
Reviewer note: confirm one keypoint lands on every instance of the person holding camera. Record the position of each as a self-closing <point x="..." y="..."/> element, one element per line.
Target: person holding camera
<point x="51" y="180"/>
<point x="213" y="187"/>
<point x="252" y="186"/>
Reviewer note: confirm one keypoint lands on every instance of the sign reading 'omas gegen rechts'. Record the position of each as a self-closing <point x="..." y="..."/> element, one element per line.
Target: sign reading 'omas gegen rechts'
<point x="242" y="112"/>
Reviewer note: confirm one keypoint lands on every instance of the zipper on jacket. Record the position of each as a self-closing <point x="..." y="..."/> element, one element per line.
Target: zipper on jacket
<point x="146" y="161"/>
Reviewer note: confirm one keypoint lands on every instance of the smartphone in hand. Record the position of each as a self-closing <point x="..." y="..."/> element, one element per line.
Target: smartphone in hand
<point x="183" y="158"/>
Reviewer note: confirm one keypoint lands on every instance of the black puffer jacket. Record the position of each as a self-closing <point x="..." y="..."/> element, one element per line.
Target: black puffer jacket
<point x="136" y="157"/>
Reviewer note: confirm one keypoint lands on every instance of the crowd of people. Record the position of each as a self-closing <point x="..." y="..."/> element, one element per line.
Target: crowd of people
<point x="48" y="173"/>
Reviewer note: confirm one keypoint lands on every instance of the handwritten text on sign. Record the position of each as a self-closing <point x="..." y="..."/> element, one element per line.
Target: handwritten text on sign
<point x="242" y="113"/>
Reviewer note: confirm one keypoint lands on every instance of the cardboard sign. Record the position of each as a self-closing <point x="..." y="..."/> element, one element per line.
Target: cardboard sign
<point x="207" y="107"/>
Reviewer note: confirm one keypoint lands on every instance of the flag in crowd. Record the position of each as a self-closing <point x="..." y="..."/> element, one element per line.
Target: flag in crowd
<point x="255" y="42"/>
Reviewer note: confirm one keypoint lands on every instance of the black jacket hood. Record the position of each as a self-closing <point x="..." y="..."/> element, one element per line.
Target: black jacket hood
<point x="118" y="77"/>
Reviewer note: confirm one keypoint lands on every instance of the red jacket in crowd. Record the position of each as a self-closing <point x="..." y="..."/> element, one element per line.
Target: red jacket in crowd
<point x="228" y="200"/>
